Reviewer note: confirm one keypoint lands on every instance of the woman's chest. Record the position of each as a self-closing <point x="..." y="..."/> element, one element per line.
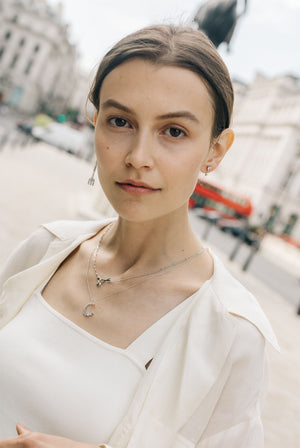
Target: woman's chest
<point x="58" y="379"/>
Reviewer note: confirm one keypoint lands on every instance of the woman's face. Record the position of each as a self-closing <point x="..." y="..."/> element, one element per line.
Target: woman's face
<point x="152" y="138"/>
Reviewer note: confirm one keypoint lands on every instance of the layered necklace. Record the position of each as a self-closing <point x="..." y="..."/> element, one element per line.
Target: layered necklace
<point x="100" y="281"/>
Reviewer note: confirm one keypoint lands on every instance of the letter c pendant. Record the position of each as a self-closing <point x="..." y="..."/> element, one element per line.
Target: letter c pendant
<point x="85" y="311"/>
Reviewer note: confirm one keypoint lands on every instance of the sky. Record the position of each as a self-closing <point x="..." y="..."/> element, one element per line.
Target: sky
<point x="266" y="39"/>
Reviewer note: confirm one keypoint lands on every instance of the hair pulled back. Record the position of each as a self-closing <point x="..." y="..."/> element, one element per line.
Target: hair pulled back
<point x="179" y="47"/>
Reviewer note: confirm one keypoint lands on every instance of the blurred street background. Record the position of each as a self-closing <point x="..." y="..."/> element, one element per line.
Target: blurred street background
<point x="247" y="210"/>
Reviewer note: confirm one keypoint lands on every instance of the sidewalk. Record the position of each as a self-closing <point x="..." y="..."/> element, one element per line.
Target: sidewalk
<point x="282" y="253"/>
<point x="40" y="184"/>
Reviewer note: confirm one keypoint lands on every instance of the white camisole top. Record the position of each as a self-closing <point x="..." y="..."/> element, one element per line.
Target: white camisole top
<point x="59" y="379"/>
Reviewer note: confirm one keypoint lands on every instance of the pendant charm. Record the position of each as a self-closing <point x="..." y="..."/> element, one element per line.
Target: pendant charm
<point x="85" y="311"/>
<point x="100" y="280"/>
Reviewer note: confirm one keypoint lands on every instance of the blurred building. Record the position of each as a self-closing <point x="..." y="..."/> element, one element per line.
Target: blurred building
<point x="38" y="64"/>
<point x="264" y="161"/>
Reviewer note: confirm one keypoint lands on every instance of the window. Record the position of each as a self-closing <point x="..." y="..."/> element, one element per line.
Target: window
<point x="29" y="67"/>
<point x="36" y="48"/>
<point x="1" y="52"/>
<point x="22" y="42"/>
<point x="14" y="60"/>
<point x="15" y="18"/>
<point x="7" y="35"/>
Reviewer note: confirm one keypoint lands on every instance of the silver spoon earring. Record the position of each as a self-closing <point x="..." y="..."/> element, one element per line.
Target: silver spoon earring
<point x="91" y="180"/>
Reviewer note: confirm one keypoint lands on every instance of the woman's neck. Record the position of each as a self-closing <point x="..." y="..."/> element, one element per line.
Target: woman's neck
<point x="150" y="244"/>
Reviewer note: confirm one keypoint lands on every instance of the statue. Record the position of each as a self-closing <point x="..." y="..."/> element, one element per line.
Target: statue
<point x="218" y="18"/>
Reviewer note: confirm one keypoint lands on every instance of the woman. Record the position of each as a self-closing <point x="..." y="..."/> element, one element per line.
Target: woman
<point x="128" y="332"/>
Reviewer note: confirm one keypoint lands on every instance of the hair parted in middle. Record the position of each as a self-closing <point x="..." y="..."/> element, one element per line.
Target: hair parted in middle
<point x="170" y="45"/>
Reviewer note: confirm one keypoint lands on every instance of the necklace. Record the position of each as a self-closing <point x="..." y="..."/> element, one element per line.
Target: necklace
<point x="145" y="277"/>
<point x="101" y="280"/>
<point x="92" y="301"/>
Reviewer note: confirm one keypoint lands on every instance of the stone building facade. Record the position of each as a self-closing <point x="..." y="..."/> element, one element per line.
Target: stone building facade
<point x="38" y="64"/>
<point x="264" y="161"/>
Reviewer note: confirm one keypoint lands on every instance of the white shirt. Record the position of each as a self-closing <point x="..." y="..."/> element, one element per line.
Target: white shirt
<point x="206" y="384"/>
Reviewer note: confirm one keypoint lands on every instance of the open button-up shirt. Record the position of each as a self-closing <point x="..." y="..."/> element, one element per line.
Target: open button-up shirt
<point x="205" y="387"/>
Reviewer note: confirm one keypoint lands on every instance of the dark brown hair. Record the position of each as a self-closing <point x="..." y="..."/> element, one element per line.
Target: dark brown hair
<point x="179" y="47"/>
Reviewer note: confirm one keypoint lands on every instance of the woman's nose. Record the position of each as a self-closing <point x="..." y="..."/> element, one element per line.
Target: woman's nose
<point x="140" y="153"/>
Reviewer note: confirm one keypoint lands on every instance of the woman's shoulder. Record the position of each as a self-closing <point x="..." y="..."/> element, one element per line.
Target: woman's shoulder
<point x="27" y="253"/>
<point x="240" y="303"/>
<point x="32" y="250"/>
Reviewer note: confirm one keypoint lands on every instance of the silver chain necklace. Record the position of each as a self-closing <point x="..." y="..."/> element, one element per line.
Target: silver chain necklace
<point x="101" y="281"/>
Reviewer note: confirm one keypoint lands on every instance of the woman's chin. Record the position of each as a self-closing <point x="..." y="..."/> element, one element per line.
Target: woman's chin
<point x="142" y="214"/>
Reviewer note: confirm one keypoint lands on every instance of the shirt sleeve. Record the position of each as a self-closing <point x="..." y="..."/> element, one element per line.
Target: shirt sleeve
<point x="28" y="253"/>
<point x="236" y="419"/>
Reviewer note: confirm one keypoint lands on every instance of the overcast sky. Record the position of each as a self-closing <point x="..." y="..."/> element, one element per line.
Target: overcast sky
<point x="266" y="40"/>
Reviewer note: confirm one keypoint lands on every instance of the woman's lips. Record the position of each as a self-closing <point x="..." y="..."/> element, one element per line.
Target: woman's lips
<point x="136" y="187"/>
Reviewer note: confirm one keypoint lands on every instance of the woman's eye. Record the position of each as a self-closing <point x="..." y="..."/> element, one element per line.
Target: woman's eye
<point x="119" y="122"/>
<point x="175" y="132"/>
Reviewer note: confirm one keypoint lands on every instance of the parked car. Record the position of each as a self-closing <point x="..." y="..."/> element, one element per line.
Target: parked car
<point x="235" y="227"/>
<point x="61" y="136"/>
<point x="209" y="215"/>
<point x="240" y="228"/>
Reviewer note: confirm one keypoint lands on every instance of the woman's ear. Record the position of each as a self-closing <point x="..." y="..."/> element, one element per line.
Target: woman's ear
<point x="95" y="118"/>
<point x="218" y="149"/>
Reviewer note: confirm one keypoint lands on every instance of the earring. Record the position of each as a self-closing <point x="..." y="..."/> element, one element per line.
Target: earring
<point x="91" y="180"/>
<point x="208" y="170"/>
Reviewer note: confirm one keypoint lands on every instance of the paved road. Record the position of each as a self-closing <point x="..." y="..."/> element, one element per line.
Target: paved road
<point x="285" y="283"/>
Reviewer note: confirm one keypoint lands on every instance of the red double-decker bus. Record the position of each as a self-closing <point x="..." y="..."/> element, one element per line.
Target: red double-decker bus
<point x="209" y="196"/>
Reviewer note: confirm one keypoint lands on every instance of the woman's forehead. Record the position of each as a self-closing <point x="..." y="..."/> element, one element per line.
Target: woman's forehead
<point x="138" y="80"/>
<point x="143" y="71"/>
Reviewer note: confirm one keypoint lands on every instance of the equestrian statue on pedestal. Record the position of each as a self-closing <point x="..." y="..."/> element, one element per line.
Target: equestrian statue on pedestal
<point x="218" y="19"/>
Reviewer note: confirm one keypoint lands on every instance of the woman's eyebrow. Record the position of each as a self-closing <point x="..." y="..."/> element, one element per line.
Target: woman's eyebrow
<point x="113" y="103"/>
<point x="179" y="114"/>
